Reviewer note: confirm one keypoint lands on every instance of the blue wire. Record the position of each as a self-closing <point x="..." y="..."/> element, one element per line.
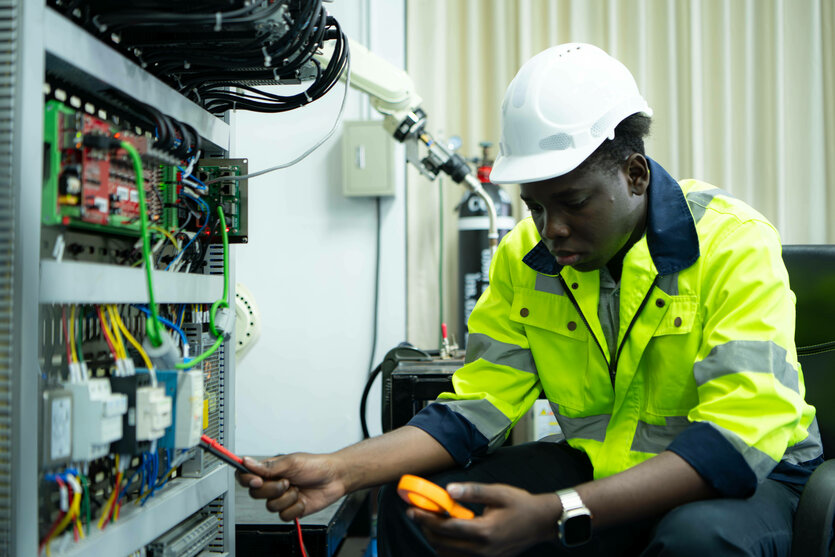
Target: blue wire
<point x="152" y="477"/>
<point x="167" y="477"/>
<point x="206" y="210"/>
<point x="199" y="200"/>
<point x="192" y="177"/>
<point x="171" y="325"/>
<point x="127" y="485"/>
<point x="193" y="238"/>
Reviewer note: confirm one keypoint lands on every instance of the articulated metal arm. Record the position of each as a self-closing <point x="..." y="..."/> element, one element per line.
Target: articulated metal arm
<point x="393" y="94"/>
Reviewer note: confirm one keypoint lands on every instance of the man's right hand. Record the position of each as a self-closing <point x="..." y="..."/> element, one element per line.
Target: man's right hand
<point x="294" y="485"/>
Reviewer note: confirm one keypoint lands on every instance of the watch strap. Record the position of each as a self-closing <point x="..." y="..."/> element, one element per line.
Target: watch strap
<point x="570" y="500"/>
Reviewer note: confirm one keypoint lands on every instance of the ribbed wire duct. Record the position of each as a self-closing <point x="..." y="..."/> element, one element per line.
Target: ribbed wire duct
<point x="8" y="70"/>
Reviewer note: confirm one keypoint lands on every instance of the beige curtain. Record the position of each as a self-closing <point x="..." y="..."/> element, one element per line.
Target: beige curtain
<point x="743" y="93"/>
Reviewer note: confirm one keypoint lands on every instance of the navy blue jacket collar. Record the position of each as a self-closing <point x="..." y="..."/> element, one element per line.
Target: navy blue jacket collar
<point x="671" y="233"/>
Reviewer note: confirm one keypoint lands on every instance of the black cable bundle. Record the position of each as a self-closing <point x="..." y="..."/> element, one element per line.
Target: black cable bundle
<point x="217" y="52"/>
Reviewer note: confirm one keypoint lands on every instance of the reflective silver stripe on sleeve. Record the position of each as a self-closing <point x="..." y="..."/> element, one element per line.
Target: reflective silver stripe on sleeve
<point x="487" y="419"/>
<point x="760" y="463"/>
<point x="808" y="449"/>
<point x="737" y="356"/>
<point x="553" y="438"/>
<point x="481" y="346"/>
<point x="668" y="284"/>
<point x="588" y="427"/>
<point x="699" y="200"/>
<point x="654" y="439"/>
<point x="549" y="285"/>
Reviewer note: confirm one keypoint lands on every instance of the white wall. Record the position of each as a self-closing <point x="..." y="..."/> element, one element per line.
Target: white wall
<point x="310" y="265"/>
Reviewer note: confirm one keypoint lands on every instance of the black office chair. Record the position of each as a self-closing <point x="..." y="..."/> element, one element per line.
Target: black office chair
<point x="812" y="275"/>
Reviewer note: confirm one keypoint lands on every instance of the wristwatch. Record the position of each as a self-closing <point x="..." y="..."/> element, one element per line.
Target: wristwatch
<point x="574" y="526"/>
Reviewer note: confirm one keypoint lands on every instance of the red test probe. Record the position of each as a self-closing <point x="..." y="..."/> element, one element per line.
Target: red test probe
<point x="210" y="445"/>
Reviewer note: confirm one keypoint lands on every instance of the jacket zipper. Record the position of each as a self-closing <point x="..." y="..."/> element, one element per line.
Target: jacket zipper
<point x="613" y="364"/>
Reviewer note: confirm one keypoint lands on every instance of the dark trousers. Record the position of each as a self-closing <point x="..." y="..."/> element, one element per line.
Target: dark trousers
<point x="759" y="526"/>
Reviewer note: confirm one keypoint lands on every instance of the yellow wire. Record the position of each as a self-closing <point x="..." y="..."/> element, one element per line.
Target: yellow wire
<point x="168" y="235"/>
<point x="132" y="340"/>
<point x="147" y="491"/>
<point x="80" y="528"/>
<point x="71" y="334"/>
<point x="73" y="510"/>
<point x="108" y="331"/>
<point x="112" y="499"/>
<point x="118" y="342"/>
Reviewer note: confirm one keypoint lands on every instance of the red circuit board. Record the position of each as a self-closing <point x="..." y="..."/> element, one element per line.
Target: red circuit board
<point x="96" y="186"/>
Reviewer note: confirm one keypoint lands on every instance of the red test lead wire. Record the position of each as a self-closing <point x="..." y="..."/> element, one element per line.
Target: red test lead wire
<point x="209" y="444"/>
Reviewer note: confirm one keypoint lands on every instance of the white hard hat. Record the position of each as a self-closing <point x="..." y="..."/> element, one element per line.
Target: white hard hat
<point x="560" y="107"/>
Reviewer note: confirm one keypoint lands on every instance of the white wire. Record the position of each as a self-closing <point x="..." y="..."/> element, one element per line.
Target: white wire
<point x="310" y="150"/>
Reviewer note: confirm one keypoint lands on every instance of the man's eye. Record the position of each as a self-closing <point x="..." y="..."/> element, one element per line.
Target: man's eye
<point x="534" y="208"/>
<point x="578" y="204"/>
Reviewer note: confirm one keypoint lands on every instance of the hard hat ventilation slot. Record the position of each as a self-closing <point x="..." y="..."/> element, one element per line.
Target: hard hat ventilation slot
<point x="601" y="127"/>
<point x="557" y="142"/>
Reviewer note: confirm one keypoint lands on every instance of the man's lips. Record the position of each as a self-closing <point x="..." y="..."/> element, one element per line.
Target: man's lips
<point x="566" y="258"/>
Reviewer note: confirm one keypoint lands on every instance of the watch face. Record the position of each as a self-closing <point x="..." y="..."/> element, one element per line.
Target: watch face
<point x="576" y="530"/>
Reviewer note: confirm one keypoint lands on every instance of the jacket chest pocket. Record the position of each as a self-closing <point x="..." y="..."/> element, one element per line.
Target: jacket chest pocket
<point x="559" y="343"/>
<point x="669" y="358"/>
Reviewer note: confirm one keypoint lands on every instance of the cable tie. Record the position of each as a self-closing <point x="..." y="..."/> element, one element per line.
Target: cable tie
<point x="197" y="94"/>
<point x="186" y="65"/>
<point x="218" y="19"/>
<point x="306" y="96"/>
<point x="268" y="60"/>
<point x="275" y="74"/>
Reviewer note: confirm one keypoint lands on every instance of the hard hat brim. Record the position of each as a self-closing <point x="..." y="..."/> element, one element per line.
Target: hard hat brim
<point x="543" y="166"/>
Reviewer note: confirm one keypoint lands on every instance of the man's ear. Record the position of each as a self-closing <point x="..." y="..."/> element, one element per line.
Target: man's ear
<point x="637" y="173"/>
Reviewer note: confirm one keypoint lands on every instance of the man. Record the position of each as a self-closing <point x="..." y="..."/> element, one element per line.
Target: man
<point x="657" y="319"/>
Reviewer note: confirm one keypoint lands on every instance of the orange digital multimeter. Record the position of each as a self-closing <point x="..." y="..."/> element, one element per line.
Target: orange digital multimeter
<point x="425" y="495"/>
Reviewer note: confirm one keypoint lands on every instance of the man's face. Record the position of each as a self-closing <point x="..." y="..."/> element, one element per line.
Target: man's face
<point x="586" y="217"/>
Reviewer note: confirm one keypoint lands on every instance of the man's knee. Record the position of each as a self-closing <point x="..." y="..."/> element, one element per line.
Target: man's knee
<point x="693" y="530"/>
<point x="720" y="527"/>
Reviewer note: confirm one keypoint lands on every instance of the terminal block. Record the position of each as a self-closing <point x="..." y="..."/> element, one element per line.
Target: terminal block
<point x="149" y="412"/>
<point x="186" y="390"/>
<point x="153" y="413"/>
<point x="97" y="414"/>
<point x="57" y="427"/>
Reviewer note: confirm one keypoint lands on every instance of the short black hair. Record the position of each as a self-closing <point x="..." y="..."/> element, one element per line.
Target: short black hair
<point x="629" y="138"/>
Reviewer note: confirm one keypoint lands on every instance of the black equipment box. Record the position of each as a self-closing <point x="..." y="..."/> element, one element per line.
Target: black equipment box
<point x="413" y="384"/>
<point x="261" y="532"/>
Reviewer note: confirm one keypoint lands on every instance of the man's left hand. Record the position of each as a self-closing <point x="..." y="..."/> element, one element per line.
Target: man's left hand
<point x="513" y="520"/>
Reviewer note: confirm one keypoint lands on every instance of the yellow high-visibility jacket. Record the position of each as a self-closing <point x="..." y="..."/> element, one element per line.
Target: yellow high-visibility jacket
<point x="705" y="367"/>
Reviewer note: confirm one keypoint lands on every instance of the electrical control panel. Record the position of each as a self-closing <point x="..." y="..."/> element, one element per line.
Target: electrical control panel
<point x="127" y="232"/>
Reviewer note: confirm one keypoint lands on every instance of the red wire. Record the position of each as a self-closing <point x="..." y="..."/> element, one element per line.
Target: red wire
<point x="66" y="333"/>
<point x="104" y="332"/>
<point x="57" y="520"/>
<point x="113" y="506"/>
<point x="301" y="542"/>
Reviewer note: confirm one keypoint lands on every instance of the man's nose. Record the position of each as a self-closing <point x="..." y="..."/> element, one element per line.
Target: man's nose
<point x="556" y="227"/>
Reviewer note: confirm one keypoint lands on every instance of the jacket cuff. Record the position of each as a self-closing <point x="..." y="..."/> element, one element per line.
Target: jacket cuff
<point x="455" y="433"/>
<point x="716" y="460"/>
